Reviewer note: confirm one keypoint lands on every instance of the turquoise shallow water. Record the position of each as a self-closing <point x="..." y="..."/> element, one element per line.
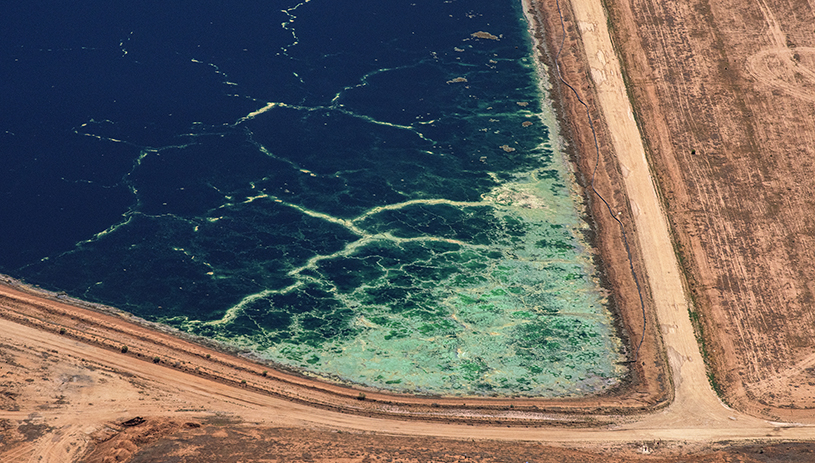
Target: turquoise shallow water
<point x="496" y="295"/>
<point x="510" y="308"/>
<point x="373" y="201"/>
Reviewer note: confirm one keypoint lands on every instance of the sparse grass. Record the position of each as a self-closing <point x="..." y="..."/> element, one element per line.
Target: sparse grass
<point x="699" y="331"/>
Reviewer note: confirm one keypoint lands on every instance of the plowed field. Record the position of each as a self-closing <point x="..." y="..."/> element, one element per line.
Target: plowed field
<point x="725" y="96"/>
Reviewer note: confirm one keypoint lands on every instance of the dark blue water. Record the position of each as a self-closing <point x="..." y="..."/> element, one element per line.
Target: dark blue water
<point x="305" y="179"/>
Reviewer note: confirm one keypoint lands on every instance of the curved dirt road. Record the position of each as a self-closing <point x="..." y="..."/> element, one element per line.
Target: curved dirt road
<point x="120" y="388"/>
<point x="129" y="387"/>
<point x="692" y="390"/>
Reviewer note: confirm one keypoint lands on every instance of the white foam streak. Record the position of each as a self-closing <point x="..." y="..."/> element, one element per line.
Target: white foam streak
<point x="366" y="238"/>
<point x="269" y="106"/>
<point x="289" y="26"/>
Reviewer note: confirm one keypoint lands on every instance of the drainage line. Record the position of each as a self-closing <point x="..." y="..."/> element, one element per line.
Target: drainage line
<point x="594" y="174"/>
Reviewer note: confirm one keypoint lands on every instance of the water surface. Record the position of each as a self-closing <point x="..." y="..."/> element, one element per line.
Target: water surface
<point x="369" y="191"/>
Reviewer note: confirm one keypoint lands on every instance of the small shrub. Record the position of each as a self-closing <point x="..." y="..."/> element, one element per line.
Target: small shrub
<point x="208" y="356"/>
<point x="361" y="396"/>
<point x="265" y="373"/>
<point x="62" y="330"/>
<point x="124" y="349"/>
<point x="156" y="359"/>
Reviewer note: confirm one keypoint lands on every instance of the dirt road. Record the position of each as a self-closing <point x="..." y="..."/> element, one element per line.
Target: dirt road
<point x="693" y="394"/>
<point x="82" y="391"/>
<point x="72" y="389"/>
<point x="723" y="94"/>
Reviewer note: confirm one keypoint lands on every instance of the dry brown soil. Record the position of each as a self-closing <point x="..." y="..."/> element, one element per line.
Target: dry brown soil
<point x="723" y="95"/>
<point x="66" y="400"/>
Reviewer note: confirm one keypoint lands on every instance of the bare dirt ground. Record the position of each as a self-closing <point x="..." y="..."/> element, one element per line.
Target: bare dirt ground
<point x="70" y="391"/>
<point x="724" y="93"/>
<point x="65" y="398"/>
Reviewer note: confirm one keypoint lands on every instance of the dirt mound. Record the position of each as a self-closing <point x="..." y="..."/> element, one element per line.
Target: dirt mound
<point x="135" y="433"/>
